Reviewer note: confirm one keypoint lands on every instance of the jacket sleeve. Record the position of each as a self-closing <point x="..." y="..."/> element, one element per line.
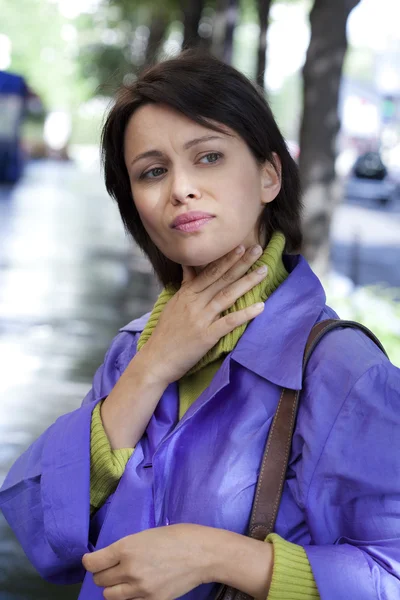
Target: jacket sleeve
<point x="106" y="465"/>
<point x="46" y="495"/>
<point x="353" y="502"/>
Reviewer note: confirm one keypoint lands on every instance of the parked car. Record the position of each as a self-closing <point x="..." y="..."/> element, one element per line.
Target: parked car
<point x="369" y="179"/>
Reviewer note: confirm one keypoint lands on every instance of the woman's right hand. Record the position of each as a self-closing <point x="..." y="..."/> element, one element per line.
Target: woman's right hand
<point x="191" y="323"/>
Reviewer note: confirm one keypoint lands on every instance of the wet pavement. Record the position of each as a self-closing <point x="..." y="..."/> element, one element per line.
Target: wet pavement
<point x="69" y="279"/>
<point x="366" y="241"/>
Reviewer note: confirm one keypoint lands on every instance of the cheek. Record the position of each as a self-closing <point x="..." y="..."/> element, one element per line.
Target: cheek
<point x="147" y="209"/>
<point x="244" y="203"/>
<point x="150" y="225"/>
<point x="240" y="186"/>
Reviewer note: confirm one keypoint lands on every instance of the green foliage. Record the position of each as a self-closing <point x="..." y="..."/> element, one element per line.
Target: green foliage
<point x="248" y="11"/>
<point x="359" y="64"/>
<point x="376" y="307"/>
<point x="40" y="51"/>
<point x="286" y="104"/>
<point x="69" y="61"/>
<point x="113" y="40"/>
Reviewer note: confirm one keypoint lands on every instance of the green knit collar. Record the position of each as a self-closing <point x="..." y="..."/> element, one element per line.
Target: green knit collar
<point x="272" y="258"/>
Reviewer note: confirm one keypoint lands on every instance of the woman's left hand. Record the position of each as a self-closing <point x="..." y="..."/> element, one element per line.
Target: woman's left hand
<point x="163" y="563"/>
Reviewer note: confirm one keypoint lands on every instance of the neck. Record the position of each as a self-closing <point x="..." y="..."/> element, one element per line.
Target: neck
<point x="247" y="244"/>
<point x="272" y="257"/>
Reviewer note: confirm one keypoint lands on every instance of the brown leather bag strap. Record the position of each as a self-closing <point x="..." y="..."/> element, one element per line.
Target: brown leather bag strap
<point x="274" y="464"/>
<point x="276" y="455"/>
<point x="273" y="467"/>
<point x="323" y="327"/>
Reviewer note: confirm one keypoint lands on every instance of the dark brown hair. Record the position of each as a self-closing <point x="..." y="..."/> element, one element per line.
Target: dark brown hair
<point x="204" y="89"/>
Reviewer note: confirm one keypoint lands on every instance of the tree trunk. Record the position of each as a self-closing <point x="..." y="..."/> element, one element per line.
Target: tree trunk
<point x="225" y="20"/>
<point x="263" y="15"/>
<point x="219" y="26"/>
<point x="158" y="29"/>
<point x="320" y="125"/>
<point x="192" y="10"/>
<point x="232" y="11"/>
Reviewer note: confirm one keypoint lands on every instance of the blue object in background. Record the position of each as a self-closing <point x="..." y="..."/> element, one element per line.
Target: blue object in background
<point x="13" y="96"/>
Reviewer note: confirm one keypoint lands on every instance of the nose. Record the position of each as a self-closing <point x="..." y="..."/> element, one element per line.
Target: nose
<point x="183" y="190"/>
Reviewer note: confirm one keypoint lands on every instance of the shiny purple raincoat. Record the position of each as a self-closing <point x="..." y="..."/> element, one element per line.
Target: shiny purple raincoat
<point x="341" y="498"/>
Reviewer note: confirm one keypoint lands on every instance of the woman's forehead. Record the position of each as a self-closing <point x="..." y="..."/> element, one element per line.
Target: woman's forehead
<point x="154" y="121"/>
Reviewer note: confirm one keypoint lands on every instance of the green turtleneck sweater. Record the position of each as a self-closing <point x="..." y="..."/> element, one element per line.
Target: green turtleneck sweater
<point x="292" y="576"/>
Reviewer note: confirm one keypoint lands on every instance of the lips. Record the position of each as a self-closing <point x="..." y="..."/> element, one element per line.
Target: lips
<point x="190" y="217"/>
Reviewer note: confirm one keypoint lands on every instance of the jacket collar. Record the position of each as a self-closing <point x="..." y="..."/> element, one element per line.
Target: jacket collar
<point x="137" y="325"/>
<point x="273" y="344"/>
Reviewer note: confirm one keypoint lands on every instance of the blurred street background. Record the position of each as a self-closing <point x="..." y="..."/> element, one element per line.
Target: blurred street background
<point x="69" y="276"/>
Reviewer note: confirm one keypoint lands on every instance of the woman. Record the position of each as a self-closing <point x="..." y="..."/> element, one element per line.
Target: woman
<point x="207" y="188"/>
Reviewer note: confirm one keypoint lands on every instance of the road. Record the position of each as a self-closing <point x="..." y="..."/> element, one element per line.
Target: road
<point x="366" y="241"/>
<point x="68" y="280"/>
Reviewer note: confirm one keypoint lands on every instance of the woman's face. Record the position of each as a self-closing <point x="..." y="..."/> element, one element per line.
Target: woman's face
<point x="178" y="167"/>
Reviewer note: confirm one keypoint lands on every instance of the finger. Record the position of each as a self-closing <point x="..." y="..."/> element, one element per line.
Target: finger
<point x="122" y="591"/>
<point x="110" y="577"/>
<point x="237" y="270"/>
<point x="101" y="559"/>
<point x="226" y="324"/>
<point x="230" y="294"/>
<point x="216" y="269"/>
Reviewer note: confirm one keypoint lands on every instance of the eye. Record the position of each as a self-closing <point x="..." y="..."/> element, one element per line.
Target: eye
<point x="153" y="173"/>
<point x="212" y="156"/>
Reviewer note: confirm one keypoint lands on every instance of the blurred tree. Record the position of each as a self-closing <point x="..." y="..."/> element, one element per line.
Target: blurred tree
<point x="159" y="23"/>
<point x="108" y="46"/>
<point x="263" y="7"/>
<point x="320" y="124"/>
<point x="43" y="54"/>
<point x="121" y="37"/>
<point x="192" y="11"/>
<point x="232" y="14"/>
<point x="224" y="23"/>
<point x="218" y="29"/>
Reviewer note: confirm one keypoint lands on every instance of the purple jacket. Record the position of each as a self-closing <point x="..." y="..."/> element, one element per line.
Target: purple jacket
<point x="341" y="498"/>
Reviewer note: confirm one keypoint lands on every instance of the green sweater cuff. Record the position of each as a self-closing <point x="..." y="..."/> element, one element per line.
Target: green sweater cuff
<point x="292" y="577"/>
<point x="106" y="465"/>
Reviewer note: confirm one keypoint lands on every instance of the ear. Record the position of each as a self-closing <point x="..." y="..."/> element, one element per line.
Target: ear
<point x="271" y="181"/>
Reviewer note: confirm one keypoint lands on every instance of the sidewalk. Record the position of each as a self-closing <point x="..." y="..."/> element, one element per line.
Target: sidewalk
<point x="68" y="280"/>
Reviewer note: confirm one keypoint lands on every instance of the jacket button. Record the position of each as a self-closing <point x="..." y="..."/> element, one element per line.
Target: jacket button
<point x="166" y="521"/>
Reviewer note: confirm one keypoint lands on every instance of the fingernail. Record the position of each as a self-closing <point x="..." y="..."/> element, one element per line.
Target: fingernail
<point x="259" y="306"/>
<point x="256" y="250"/>
<point x="262" y="270"/>
<point x="239" y="249"/>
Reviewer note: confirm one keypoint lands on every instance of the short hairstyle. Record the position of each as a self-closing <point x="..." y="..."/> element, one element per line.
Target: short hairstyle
<point x="209" y="92"/>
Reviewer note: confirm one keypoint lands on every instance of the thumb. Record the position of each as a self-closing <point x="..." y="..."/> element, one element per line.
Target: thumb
<point x="101" y="559"/>
<point x="188" y="274"/>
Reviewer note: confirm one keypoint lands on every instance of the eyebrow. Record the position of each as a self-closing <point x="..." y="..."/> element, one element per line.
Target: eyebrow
<point x="187" y="146"/>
